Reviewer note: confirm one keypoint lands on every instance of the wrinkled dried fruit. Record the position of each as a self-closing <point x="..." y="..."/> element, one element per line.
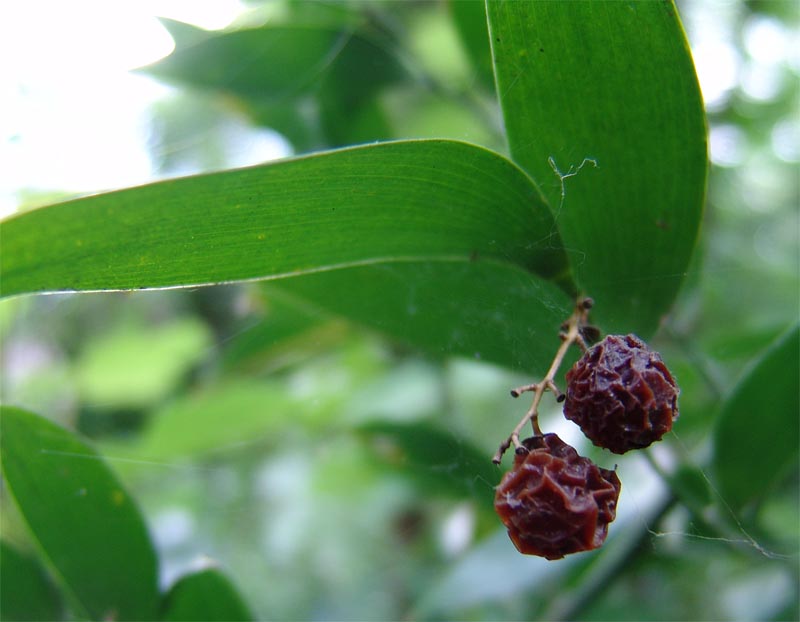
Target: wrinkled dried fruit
<point x="621" y="394"/>
<point x="555" y="502"/>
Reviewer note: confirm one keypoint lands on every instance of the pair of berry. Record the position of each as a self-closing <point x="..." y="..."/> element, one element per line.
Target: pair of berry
<point x="555" y="502"/>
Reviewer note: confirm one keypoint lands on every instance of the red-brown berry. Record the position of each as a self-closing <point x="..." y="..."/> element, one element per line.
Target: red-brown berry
<point x="621" y="394"/>
<point x="555" y="502"/>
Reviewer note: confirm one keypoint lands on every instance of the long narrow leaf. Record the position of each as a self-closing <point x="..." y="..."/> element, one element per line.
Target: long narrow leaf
<point x="432" y="200"/>
<point x="602" y="107"/>
<point x="86" y="525"/>
<point x="755" y="439"/>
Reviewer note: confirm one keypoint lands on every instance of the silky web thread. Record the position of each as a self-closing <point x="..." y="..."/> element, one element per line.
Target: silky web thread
<point x="747" y="540"/>
<point x="562" y="177"/>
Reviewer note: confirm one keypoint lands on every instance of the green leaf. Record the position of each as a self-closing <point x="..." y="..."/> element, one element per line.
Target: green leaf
<point x="259" y="63"/>
<point x="433" y="200"/>
<point x="689" y="483"/>
<point x="755" y="439"/>
<point x="205" y="595"/>
<point x="135" y="366"/>
<point x="240" y="411"/>
<point x="85" y="523"/>
<point x="348" y="119"/>
<point x="184" y="35"/>
<point x="601" y="102"/>
<point x="277" y="62"/>
<point x="480" y="310"/>
<point x="470" y="22"/>
<point x="218" y="417"/>
<point x="273" y="68"/>
<point x="27" y="593"/>
<point x="280" y="335"/>
<point x="435" y="458"/>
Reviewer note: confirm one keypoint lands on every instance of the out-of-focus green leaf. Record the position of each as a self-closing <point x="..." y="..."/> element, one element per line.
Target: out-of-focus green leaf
<point x="273" y="68"/>
<point x="247" y="411"/>
<point x="435" y="458"/>
<point x="410" y="200"/>
<point x="470" y="21"/>
<point x="85" y="523"/>
<point x="218" y="417"/>
<point x="10" y="310"/>
<point x="270" y="62"/>
<point x="691" y="486"/>
<point x="135" y="366"/>
<point x="321" y="13"/>
<point x="480" y="310"/>
<point x="602" y="107"/>
<point x="281" y="331"/>
<point x="185" y="35"/>
<point x="27" y="593"/>
<point x="755" y="439"/>
<point x="349" y="120"/>
<point x="425" y="114"/>
<point x="295" y="122"/>
<point x="362" y="68"/>
<point x="205" y="595"/>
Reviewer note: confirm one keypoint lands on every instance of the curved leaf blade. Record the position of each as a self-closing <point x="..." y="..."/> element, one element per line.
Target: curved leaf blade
<point x="82" y="518"/>
<point x="601" y="103"/>
<point x="204" y="595"/>
<point x="483" y="310"/>
<point x="757" y="427"/>
<point x="406" y="200"/>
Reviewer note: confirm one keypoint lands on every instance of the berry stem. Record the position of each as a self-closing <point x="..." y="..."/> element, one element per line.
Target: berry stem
<point x="570" y="334"/>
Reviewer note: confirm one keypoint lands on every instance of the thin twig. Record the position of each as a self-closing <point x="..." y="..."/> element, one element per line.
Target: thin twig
<point x="571" y="334"/>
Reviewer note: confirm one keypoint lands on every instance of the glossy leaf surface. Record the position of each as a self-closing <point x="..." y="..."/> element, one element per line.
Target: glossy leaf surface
<point x="433" y="200"/>
<point x="85" y="523"/>
<point x="603" y="109"/>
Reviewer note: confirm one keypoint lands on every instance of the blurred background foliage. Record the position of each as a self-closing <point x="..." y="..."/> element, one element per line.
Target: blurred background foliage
<point x="335" y="474"/>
